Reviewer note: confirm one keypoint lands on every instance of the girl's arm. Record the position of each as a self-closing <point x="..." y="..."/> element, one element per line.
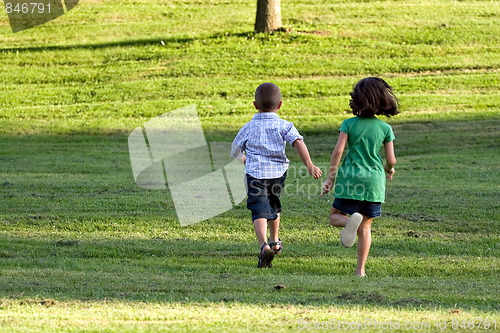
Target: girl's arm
<point x="334" y="162"/>
<point x="390" y="159"/>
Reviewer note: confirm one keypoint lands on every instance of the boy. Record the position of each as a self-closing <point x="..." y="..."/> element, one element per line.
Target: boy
<point x="263" y="140"/>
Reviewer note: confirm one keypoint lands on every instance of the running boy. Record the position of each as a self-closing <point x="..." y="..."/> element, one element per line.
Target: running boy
<point x="360" y="183"/>
<point x="263" y="141"/>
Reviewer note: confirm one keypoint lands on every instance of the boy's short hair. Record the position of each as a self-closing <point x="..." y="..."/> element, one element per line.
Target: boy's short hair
<point x="373" y="96"/>
<point x="267" y="97"/>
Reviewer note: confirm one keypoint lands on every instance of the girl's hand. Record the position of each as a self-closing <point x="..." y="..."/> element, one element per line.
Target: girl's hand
<point x="327" y="186"/>
<point x="390" y="173"/>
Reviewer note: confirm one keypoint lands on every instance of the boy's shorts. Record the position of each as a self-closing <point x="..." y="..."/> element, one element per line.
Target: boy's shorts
<point x="351" y="206"/>
<point x="264" y="197"/>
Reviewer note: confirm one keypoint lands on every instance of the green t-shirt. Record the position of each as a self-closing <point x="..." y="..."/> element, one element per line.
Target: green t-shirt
<point x="361" y="175"/>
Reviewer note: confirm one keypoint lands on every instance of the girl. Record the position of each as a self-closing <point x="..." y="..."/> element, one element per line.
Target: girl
<point x="360" y="181"/>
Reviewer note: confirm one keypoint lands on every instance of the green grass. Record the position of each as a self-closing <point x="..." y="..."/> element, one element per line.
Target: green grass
<point x="82" y="248"/>
<point x="108" y="67"/>
<point x="79" y="237"/>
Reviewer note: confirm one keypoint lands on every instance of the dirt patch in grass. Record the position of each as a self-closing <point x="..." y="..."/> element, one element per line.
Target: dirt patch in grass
<point x="312" y="32"/>
<point x="417" y="217"/>
<point x="363" y="297"/>
<point x="45" y="302"/>
<point x="67" y="242"/>
<point x="411" y="301"/>
<point x="7" y="255"/>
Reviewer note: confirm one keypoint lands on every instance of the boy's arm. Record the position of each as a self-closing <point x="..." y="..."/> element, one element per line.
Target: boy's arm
<point x="301" y="149"/>
<point x="390" y="158"/>
<point x="237" y="147"/>
<point x="237" y="153"/>
<point x="334" y="162"/>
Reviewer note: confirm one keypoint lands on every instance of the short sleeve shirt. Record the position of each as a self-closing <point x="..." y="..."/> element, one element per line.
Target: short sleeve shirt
<point x="263" y="139"/>
<point x="361" y="175"/>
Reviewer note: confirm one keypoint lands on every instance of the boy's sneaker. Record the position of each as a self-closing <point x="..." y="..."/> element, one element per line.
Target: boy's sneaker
<point x="348" y="235"/>
<point x="265" y="258"/>
<point x="274" y="244"/>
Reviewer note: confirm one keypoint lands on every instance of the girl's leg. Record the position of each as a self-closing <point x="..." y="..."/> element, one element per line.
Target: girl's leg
<point x="338" y="218"/>
<point x="364" y="243"/>
<point x="274" y="227"/>
<point x="260" y="226"/>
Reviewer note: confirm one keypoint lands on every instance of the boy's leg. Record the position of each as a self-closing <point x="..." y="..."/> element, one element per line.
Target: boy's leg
<point x="364" y="243"/>
<point x="274" y="226"/>
<point x="275" y="190"/>
<point x="338" y="218"/>
<point x="260" y="226"/>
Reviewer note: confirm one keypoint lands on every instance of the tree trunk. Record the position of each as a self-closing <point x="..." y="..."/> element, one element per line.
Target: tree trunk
<point x="268" y="15"/>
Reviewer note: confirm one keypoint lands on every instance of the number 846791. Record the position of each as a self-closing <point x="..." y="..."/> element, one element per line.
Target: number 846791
<point x="28" y="8"/>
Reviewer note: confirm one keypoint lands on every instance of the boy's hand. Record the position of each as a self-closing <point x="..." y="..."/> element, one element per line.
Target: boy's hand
<point x="243" y="159"/>
<point x="390" y="173"/>
<point x="327" y="186"/>
<point x="301" y="149"/>
<point x="314" y="171"/>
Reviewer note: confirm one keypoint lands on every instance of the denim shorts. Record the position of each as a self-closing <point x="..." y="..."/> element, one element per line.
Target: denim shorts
<point x="351" y="206"/>
<point x="264" y="197"/>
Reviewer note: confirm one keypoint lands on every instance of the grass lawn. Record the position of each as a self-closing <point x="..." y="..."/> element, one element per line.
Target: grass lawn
<point x="82" y="248"/>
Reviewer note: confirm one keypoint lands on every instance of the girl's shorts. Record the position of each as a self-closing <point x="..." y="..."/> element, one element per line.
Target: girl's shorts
<point x="264" y="197"/>
<point x="351" y="206"/>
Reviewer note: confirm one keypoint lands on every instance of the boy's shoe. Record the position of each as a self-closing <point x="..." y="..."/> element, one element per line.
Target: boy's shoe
<point x="265" y="258"/>
<point x="348" y="235"/>
<point x="277" y="243"/>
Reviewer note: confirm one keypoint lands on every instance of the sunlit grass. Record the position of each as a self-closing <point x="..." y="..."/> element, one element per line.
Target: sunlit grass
<point x="82" y="248"/>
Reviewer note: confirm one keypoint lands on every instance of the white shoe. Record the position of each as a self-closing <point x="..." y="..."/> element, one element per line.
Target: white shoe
<point x="348" y="235"/>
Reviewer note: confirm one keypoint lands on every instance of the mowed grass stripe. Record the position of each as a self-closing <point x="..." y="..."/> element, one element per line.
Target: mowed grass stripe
<point x="82" y="248"/>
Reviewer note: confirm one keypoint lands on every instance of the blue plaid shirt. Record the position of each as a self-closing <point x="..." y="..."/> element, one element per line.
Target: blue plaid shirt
<point x="263" y="139"/>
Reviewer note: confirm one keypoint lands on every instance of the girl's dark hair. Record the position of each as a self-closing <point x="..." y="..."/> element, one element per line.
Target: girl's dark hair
<point x="373" y="96"/>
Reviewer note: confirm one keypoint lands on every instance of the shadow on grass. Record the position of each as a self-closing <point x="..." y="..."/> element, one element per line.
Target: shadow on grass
<point x="127" y="43"/>
<point x="88" y="178"/>
<point x="186" y="271"/>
